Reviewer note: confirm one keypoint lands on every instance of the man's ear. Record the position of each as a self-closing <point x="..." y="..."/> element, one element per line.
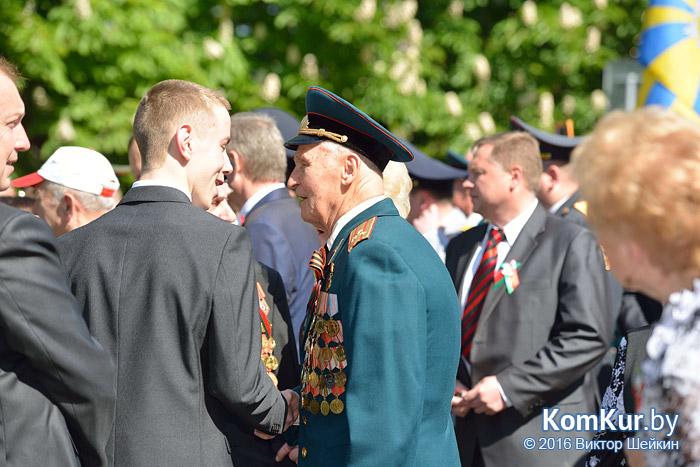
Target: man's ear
<point x="67" y="207"/>
<point x="516" y="177"/>
<point x="352" y="163"/>
<point x="554" y="171"/>
<point x="184" y="136"/>
<point x="237" y="161"/>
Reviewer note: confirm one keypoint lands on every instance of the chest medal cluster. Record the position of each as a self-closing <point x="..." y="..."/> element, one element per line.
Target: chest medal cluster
<point x="268" y="342"/>
<point x="322" y="373"/>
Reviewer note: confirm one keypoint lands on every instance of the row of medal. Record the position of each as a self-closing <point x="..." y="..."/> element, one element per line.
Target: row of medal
<point x="268" y="342"/>
<point x="325" y="358"/>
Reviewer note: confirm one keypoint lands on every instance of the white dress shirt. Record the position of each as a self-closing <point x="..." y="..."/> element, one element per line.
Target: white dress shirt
<point x="161" y="182"/>
<point x="257" y="197"/>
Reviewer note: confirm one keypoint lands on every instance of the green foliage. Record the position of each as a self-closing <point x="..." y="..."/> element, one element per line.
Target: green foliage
<point x="88" y="62"/>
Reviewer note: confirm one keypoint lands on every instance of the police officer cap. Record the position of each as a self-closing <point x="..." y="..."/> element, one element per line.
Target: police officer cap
<point x="432" y="174"/>
<point x="552" y="146"/>
<point x="331" y="118"/>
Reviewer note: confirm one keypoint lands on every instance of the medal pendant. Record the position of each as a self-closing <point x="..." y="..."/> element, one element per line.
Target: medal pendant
<point x="325" y="407"/>
<point x="340" y="379"/>
<point x="313" y="406"/>
<point x="337" y="406"/>
<point x="332" y="328"/>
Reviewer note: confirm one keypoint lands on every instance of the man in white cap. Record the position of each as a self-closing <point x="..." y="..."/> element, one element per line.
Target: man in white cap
<point x="75" y="186"/>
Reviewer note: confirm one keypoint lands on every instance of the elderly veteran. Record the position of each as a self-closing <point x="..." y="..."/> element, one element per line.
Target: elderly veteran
<point x="381" y="340"/>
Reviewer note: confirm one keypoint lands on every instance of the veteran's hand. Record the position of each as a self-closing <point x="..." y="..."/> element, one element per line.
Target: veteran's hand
<point x="287" y="450"/>
<point x="292" y="407"/>
<point x="485" y="397"/>
<point x="460" y="406"/>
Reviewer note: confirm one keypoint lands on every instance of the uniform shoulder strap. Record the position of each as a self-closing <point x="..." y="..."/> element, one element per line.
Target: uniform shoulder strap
<point x="361" y="232"/>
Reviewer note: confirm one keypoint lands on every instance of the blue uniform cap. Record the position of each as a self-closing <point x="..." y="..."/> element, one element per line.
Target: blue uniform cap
<point x="331" y="118"/>
<point x="552" y="146"/>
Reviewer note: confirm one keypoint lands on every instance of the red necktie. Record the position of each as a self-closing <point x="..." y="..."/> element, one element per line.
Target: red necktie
<point x="479" y="288"/>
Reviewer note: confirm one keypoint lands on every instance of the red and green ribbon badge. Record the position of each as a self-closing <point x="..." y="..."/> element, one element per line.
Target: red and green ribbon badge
<point x="508" y="274"/>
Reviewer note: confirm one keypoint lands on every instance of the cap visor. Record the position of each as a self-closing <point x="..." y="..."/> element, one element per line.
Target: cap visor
<point x="28" y="180"/>
<point x="301" y="140"/>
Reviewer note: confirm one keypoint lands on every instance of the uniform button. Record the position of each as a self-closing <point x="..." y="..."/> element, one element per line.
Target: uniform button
<point x="303" y="419"/>
<point x="303" y="452"/>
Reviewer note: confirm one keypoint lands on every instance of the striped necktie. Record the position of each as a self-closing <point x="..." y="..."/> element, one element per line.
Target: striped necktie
<point x="479" y="288"/>
<point x="318" y="262"/>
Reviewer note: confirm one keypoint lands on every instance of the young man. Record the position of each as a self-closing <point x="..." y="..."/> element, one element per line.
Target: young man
<point x="158" y="284"/>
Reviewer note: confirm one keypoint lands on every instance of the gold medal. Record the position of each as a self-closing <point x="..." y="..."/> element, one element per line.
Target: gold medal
<point x="316" y="351"/>
<point x="340" y="379"/>
<point x="271" y="342"/>
<point x="271" y="363"/>
<point x="340" y="353"/>
<point x="313" y="406"/>
<point x="325" y="407"/>
<point x="326" y="354"/>
<point x="313" y="379"/>
<point x="320" y="326"/>
<point x="337" y="406"/>
<point x="332" y="328"/>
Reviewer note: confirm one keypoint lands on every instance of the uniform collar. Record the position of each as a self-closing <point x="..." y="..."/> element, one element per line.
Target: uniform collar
<point x="350" y="215"/>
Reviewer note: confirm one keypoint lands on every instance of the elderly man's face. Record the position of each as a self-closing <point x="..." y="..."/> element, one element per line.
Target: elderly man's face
<point x="316" y="180"/>
<point x="13" y="138"/>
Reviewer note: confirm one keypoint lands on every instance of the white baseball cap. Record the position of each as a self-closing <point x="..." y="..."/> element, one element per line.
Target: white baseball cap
<point x="78" y="168"/>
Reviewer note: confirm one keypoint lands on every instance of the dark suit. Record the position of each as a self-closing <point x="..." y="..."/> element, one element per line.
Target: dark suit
<point x="631" y="309"/>
<point x="246" y="448"/>
<point x="538" y="341"/>
<point x="57" y="385"/>
<point x="169" y="290"/>
<point x="282" y="240"/>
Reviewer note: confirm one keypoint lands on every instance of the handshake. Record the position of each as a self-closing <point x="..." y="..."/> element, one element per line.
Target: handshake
<point x="292" y="399"/>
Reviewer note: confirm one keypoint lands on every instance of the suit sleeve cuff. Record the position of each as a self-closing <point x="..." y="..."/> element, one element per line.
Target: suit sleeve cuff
<point x="503" y="394"/>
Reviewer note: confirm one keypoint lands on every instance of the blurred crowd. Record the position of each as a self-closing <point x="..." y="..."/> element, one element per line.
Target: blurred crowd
<point x="322" y="292"/>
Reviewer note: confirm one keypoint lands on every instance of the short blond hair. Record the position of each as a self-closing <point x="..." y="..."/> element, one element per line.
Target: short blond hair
<point x="517" y="148"/>
<point x="640" y="173"/>
<point x="166" y="105"/>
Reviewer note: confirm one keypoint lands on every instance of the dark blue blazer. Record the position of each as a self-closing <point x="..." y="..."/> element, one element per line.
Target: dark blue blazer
<point x="282" y="240"/>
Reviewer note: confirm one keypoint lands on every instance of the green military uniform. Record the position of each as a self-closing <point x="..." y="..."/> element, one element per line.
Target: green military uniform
<point x="381" y="343"/>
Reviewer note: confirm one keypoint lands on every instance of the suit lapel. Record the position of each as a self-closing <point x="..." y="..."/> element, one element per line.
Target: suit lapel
<point x="464" y="258"/>
<point x="524" y="245"/>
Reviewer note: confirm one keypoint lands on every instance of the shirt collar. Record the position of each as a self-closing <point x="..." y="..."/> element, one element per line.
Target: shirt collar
<point x="350" y="215"/>
<point x="258" y="196"/>
<point x="161" y="182"/>
<point x="513" y="228"/>
<point x="555" y="207"/>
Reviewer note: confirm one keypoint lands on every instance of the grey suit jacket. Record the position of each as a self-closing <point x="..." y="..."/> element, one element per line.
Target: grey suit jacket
<point x="169" y="290"/>
<point x="541" y="340"/>
<point x="282" y="240"/>
<point x="57" y="385"/>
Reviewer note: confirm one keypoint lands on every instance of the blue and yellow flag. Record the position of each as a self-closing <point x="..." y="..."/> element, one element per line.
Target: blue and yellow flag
<point x="670" y="55"/>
